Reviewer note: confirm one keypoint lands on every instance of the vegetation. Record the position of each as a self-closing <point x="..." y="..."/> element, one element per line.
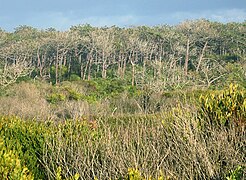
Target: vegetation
<point x="194" y="52"/>
<point x="10" y="166"/>
<point x="225" y="108"/>
<point x="169" y="145"/>
<point x="165" y="102"/>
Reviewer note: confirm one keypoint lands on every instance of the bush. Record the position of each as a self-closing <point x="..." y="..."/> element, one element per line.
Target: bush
<point x="134" y="174"/>
<point x="237" y="174"/>
<point x="227" y="107"/>
<point x="55" y="97"/>
<point x="72" y="94"/>
<point x="178" y="148"/>
<point x="69" y="147"/>
<point x="26" y="138"/>
<point x="74" y="77"/>
<point x="59" y="94"/>
<point x="163" y="146"/>
<point x="236" y="74"/>
<point x="25" y="100"/>
<point x="59" y="175"/>
<point x="10" y="165"/>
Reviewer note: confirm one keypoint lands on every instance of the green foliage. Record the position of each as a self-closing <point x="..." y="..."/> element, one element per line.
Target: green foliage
<point x="109" y="87"/>
<point x="62" y="73"/>
<point x="24" y="79"/>
<point x="72" y="94"/>
<point x="134" y="174"/>
<point x="59" y="94"/>
<point x="226" y="108"/>
<point x="3" y="92"/>
<point x="55" y="98"/>
<point x="230" y="58"/>
<point x="133" y="91"/>
<point x="236" y="75"/>
<point x="59" y="175"/>
<point x="26" y="139"/>
<point x="74" y="77"/>
<point x="10" y="165"/>
<point x="237" y="174"/>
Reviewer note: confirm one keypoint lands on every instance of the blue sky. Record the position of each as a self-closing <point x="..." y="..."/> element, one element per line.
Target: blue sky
<point x="62" y="14"/>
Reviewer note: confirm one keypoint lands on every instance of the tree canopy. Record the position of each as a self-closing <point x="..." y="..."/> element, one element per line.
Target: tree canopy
<point x="192" y="51"/>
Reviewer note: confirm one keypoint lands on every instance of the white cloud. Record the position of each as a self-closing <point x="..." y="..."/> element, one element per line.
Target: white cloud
<point x="63" y="21"/>
<point x="237" y="15"/>
<point x="57" y="20"/>
<point x="224" y="16"/>
<point x="124" y="20"/>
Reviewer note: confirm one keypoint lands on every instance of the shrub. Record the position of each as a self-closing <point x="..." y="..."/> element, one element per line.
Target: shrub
<point x="162" y="146"/>
<point x="227" y="107"/>
<point x="10" y="165"/>
<point x="69" y="147"/>
<point x="236" y="74"/>
<point x="178" y="148"/>
<point x="26" y="138"/>
<point x="74" y="77"/>
<point x="25" y="100"/>
<point x="134" y="174"/>
<point x="59" y="94"/>
<point x="56" y="97"/>
<point x="72" y="94"/>
<point x="59" y="175"/>
<point x="237" y="174"/>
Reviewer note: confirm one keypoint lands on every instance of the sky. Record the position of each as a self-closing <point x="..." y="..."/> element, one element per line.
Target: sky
<point x="61" y="14"/>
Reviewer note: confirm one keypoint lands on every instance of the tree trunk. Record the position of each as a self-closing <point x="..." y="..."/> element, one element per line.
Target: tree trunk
<point x="69" y="66"/>
<point x="86" y="67"/>
<point x="119" y="66"/>
<point x="133" y="73"/>
<point x="201" y="56"/>
<point x="98" y="65"/>
<point x="89" y="68"/>
<point x="187" y="57"/>
<point x="104" y="71"/>
<point x="124" y="68"/>
<point x="57" y="60"/>
<point x="39" y="64"/>
<point x="43" y="60"/>
<point x="81" y="67"/>
<point x="144" y="70"/>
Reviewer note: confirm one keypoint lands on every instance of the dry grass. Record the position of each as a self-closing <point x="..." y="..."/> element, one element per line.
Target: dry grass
<point x="25" y="100"/>
<point x="28" y="100"/>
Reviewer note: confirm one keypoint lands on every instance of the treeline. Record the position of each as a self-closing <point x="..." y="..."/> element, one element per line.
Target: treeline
<point x="193" y="51"/>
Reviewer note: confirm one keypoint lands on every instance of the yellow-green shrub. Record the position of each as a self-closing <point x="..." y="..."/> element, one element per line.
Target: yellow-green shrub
<point x="236" y="174"/>
<point x="10" y="165"/>
<point x="135" y="174"/>
<point x="59" y="175"/>
<point x="225" y="107"/>
<point x="26" y="138"/>
<point x="56" y="97"/>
